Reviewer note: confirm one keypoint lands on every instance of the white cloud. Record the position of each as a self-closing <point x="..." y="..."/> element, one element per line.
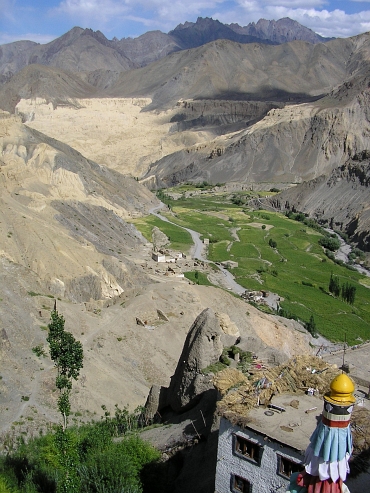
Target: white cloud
<point x="111" y="15"/>
<point x="335" y="23"/>
<point x="153" y="14"/>
<point x="38" y="38"/>
<point x="91" y="10"/>
<point x="330" y="24"/>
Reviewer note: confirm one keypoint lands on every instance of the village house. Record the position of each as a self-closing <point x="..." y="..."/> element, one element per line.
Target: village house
<point x="261" y="455"/>
<point x="229" y="264"/>
<point x="165" y="257"/>
<point x="267" y="421"/>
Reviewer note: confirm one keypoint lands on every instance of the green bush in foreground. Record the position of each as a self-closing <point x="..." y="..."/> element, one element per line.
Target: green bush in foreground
<point x="102" y="465"/>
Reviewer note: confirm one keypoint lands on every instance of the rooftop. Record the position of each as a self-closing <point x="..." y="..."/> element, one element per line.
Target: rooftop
<point x="276" y="402"/>
<point x="294" y="425"/>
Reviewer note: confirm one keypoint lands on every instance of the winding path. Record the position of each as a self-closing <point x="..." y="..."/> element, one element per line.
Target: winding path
<point x="198" y="251"/>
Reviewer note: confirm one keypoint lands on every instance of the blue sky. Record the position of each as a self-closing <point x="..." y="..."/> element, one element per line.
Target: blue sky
<point x="45" y="20"/>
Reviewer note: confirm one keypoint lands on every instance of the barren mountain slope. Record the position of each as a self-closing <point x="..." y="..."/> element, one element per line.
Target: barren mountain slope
<point x="13" y="57"/>
<point x="341" y="199"/>
<point x="225" y="70"/>
<point x="146" y="48"/>
<point x="84" y="49"/>
<point x="34" y="81"/>
<point x="117" y="133"/>
<point x="295" y="143"/>
<point x="114" y="132"/>
<point x="204" y="30"/>
<point x="121" y="359"/>
<point x="290" y="144"/>
<point x="79" y="50"/>
<point x="63" y="216"/>
<point x="280" y="31"/>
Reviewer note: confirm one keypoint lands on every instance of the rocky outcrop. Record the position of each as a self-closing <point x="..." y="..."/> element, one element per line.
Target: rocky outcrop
<point x="281" y="31"/>
<point x="202" y="347"/>
<point x="221" y="116"/>
<point x="204" y="30"/>
<point x="230" y="331"/>
<point x="159" y="239"/>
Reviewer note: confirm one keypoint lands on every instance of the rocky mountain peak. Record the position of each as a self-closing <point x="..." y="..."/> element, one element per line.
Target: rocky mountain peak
<point x="281" y="31"/>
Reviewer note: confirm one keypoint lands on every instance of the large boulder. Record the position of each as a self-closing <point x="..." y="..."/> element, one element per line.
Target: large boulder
<point x="159" y="239"/>
<point x="230" y="332"/>
<point x="202" y="348"/>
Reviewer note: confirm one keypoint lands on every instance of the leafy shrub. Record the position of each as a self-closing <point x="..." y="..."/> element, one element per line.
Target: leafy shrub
<point x="214" y="368"/>
<point x="330" y="243"/>
<point x="311" y="326"/>
<point x="224" y="358"/>
<point x="39" y="350"/>
<point x="286" y="314"/>
<point x="101" y="464"/>
<point x="330" y="255"/>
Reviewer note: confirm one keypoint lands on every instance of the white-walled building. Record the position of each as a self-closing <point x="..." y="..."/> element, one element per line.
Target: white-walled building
<point x="258" y="454"/>
<point x="268" y="419"/>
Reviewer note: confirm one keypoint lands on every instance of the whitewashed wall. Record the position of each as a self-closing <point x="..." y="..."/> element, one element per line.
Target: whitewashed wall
<point x="264" y="477"/>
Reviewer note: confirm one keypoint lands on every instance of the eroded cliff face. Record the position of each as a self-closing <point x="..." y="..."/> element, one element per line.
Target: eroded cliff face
<point x="340" y="199"/>
<point x="291" y="144"/>
<point x="65" y="217"/>
<point x="219" y="116"/>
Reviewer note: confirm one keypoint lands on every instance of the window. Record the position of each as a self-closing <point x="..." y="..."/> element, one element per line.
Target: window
<point x="240" y="485"/>
<point x="248" y="449"/>
<point x="286" y="466"/>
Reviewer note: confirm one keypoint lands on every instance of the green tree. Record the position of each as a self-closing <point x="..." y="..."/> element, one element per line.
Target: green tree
<point x="329" y="242"/>
<point x="311" y="326"/>
<point x="272" y="243"/>
<point x="334" y="286"/>
<point x="348" y="293"/>
<point x="67" y="354"/>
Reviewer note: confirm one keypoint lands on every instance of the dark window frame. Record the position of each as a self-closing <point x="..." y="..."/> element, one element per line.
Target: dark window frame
<point x="247" y="449"/>
<point x="287" y="466"/>
<point x="246" y="487"/>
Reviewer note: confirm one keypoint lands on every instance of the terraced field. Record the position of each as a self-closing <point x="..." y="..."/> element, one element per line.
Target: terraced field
<point x="276" y="254"/>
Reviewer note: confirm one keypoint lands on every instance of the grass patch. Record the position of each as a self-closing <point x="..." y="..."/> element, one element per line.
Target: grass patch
<point x="297" y="269"/>
<point x="215" y="368"/>
<point x="198" y="278"/>
<point x="178" y="237"/>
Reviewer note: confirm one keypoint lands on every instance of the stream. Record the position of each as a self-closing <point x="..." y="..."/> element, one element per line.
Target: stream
<point x="343" y="251"/>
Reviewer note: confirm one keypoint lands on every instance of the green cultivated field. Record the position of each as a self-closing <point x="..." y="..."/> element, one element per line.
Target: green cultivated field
<point x="297" y="269"/>
<point x="179" y="238"/>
